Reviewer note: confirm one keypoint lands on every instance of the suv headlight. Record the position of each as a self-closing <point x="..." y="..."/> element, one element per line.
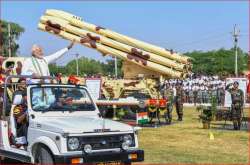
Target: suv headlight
<point x="73" y="143"/>
<point x="87" y="148"/>
<point x="127" y="142"/>
<point x="128" y="139"/>
<point x="125" y="146"/>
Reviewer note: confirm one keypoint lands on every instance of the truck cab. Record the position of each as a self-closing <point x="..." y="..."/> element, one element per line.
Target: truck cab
<point x="63" y="125"/>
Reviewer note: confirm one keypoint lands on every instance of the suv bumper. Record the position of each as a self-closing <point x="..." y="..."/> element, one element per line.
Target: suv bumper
<point x="123" y="156"/>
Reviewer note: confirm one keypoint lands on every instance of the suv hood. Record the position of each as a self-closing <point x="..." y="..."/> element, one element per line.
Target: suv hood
<point x="79" y="124"/>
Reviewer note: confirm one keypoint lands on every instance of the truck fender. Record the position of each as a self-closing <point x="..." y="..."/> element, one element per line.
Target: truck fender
<point x="48" y="142"/>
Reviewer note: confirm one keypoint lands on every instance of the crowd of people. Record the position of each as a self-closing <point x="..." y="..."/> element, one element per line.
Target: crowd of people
<point x="199" y="89"/>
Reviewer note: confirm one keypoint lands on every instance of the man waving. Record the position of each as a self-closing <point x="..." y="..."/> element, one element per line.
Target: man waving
<point x="37" y="65"/>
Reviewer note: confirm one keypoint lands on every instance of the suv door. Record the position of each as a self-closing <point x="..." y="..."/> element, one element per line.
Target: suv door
<point x="4" y="140"/>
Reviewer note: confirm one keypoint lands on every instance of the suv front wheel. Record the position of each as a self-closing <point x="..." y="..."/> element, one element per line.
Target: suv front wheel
<point x="44" y="156"/>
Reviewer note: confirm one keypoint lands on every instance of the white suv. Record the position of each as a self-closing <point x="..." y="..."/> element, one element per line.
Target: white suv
<point x="65" y="126"/>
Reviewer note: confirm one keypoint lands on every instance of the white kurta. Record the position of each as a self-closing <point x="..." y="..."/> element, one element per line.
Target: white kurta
<point x="40" y="66"/>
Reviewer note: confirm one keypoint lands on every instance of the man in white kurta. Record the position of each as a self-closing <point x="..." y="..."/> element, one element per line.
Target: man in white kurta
<point x="37" y="65"/>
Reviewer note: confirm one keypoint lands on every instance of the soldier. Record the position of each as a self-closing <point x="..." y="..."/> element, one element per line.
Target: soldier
<point x="195" y="93"/>
<point x="169" y="95"/>
<point x="179" y="101"/>
<point x="237" y="97"/>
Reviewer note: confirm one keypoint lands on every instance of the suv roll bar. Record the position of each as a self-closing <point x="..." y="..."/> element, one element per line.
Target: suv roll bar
<point x="18" y="76"/>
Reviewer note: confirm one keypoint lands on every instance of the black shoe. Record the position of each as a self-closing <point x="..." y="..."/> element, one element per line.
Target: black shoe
<point x="239" y="125"/>
<point x="235" y="126"/>
<point x="168" y="122"/>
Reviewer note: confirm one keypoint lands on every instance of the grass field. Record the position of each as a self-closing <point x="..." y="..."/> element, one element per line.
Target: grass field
<point x="187" y="142"/>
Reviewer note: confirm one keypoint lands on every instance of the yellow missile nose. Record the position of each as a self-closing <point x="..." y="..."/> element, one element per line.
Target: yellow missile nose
<point x="62" y="14"/>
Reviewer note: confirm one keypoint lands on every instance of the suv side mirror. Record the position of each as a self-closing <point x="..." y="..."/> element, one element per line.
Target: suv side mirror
<point x="17" y="99"/>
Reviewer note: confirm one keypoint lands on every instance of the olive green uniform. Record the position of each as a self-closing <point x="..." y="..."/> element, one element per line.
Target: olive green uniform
<point x="179" y="102"/>
<point x="237" y="97"/>
<point x="169" y="94"/>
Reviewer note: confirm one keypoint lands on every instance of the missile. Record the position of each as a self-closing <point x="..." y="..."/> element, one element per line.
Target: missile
<point x="78" y="21"/>
<point x="64" y="25"/>
<point x="91" y="43"/>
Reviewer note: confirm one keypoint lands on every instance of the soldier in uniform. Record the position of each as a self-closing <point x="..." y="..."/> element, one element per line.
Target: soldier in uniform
<point x="179" y="101"/>
<point x="237" y="97"/>
<point x="169" y="95"/>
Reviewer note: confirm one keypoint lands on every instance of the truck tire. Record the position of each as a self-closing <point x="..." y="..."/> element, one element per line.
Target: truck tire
<point x="44" y="156"/>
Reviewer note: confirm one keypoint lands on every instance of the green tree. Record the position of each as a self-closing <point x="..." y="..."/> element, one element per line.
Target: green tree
<point x="16" y="31"/>
<point x="87" y="66"/>
<point x="219" y="62"/>
<point x="54" y="69"/>
<point x="109" y="67"/>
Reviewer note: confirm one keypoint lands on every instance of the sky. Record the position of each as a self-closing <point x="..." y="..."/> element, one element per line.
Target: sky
<point x="183" y="26"/>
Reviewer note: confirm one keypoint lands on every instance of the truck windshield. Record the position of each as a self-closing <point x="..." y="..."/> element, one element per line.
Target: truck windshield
<point x="61" y="99"/>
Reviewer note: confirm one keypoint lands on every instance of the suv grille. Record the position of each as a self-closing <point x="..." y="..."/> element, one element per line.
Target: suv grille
<point x="104" y="141"/>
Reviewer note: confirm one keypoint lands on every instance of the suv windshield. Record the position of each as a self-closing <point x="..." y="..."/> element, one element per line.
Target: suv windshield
<point x="59" y="98"/>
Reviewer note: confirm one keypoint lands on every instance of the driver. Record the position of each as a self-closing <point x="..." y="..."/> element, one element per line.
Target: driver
<point x="65" y="101"/>
<point x="63" y="98"/>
